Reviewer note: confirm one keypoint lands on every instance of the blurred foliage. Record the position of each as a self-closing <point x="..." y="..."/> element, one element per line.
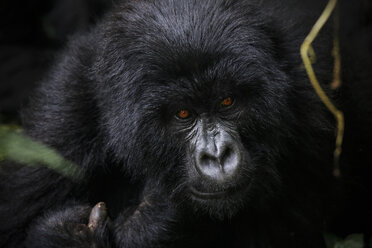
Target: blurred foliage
<point x="17" y="147"/>
<point x="351" y="241"/>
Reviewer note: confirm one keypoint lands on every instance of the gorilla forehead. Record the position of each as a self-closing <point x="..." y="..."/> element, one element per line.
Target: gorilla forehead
<point x="187" y="21"/>
<point x="199" y="81"/>
<point x="185" y="33"/>
<point x="186" y="48"/>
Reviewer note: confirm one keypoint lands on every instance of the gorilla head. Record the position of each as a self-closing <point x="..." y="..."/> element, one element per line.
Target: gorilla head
<point x="204" y="110"/>
<point x="198" y="96"/>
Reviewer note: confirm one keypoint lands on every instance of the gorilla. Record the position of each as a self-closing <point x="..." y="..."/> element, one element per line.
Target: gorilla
<point x="192" y="123"/>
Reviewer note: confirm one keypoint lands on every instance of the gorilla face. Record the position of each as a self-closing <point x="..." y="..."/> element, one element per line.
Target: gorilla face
<point x="202" y="103"/>
<point x="228" y="139"/>
<point x="217" y="162"/>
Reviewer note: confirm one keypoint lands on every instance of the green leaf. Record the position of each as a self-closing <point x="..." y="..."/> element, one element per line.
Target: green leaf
<point x="14" y="146"/>
<point x="351" y="241"/>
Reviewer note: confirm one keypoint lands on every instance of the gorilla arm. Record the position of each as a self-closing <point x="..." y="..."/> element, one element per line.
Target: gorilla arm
<point x="147" y="224"/>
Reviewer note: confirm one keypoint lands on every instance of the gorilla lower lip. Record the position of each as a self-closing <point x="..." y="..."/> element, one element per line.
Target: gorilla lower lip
<point x="208" y="195"/>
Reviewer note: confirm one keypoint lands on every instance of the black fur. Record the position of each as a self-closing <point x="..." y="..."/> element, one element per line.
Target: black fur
<point x="107" y="106"/>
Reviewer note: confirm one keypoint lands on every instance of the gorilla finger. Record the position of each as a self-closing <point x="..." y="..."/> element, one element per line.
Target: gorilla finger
<point x="98" y="216"/>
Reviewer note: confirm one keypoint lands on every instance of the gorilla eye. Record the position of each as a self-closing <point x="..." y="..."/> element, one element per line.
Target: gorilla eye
<point x="183" y="114"/>
<point x="227" y="102"/>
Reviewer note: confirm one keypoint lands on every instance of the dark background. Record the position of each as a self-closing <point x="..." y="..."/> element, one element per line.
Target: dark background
<point x="31" y="33"/>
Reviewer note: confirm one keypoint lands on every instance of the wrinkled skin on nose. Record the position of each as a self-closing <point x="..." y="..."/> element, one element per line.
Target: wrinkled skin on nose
<point x="217" y="157"/>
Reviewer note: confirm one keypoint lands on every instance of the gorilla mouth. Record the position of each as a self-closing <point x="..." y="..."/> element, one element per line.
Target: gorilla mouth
<point x="215" y="195"/>
<point x="208" y="195"/>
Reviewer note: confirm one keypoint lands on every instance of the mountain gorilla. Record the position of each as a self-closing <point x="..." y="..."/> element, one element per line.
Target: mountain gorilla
<point x="193" y="124"/>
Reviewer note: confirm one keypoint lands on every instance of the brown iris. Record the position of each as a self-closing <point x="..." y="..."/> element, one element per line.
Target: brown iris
<point x="183" y="114"/>
<point x="227" y="102"/>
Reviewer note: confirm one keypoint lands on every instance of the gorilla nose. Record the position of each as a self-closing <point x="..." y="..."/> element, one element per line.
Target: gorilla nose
<point x="219" y="163"/>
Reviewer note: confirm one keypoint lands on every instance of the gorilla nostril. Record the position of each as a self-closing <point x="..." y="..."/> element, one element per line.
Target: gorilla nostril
<point x="229" y="160"/>
<point x="208" y="165"/>
<point x="226" y="155"/>
<point x="220" y="166"/>
<point x="206" y="160"/>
